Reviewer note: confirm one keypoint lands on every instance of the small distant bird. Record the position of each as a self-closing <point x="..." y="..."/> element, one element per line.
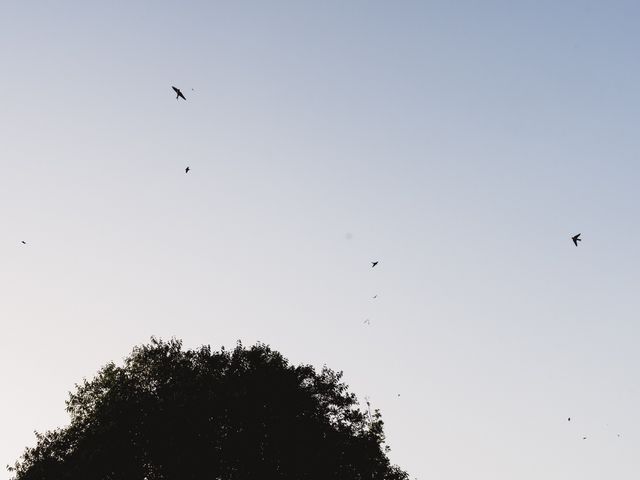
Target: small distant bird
<point x="569" y="419"/>
<point x="398" y="394"/>
<point x="178" y="93"/>
<point x="373" y="264"/>
<point x="584" y="438"/>
<point x="186" y="170"/>
<point x="367" y="321"/>
<point x="375" y="296"/>
<point x="576" y="239"/>
<point x="23" y="242"/>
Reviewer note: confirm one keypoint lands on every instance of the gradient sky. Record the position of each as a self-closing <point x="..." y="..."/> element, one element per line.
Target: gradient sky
<point x="461" y="144"/>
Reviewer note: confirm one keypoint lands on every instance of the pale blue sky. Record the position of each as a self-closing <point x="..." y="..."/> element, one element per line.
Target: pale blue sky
<point x="461" y="144"/>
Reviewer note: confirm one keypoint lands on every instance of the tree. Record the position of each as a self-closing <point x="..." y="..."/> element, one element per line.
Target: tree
<point x="170" y="413"/>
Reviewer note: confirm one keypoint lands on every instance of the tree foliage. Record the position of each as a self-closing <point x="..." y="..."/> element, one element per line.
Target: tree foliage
<point x="170" y="413"/>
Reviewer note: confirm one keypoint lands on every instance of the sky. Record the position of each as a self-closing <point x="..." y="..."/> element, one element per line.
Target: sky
<point x="460" y="144"/>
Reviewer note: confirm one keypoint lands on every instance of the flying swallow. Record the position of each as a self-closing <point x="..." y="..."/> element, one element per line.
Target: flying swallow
<point x="373" y="264"/>
<point x="576" y="239"/>
<point x="186" y="170"/>
<point x="178" y="93"/>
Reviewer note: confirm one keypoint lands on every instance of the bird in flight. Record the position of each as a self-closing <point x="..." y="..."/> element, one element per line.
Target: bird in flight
<point x="23" y="242"/>
<point x="576" y="239"/>
<point x="569" y="419"/>
<point x="186" y="170"/>
<point x="367" y="321"/>
<point x="373" y="264"/>
<point x="375" y="296"/>
<point x="584" y="438"/>
<point x="178" y="93"/>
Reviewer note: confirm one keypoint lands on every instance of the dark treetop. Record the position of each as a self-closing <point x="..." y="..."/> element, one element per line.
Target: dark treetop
<point x="170" y="413"/>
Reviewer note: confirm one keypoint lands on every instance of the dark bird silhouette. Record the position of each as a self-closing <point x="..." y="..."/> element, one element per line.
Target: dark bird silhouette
<point x="569" y="419"/>
<point x="584" y="438"/>
<point x="186" y="170"/>
<point x="23" y="242"/>
<point x="373" y="264"/>
<point x="178" y="93"/>
<point x="375" y="296"/>
<point x="576" y="239"/>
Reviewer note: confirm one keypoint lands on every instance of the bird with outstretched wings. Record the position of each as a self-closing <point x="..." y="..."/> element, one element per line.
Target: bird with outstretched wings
<point x="576" y="239"/>
<point x="178" y="93"/>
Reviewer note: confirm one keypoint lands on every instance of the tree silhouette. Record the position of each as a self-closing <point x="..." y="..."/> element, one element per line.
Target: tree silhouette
<point x="171" y="413"/>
